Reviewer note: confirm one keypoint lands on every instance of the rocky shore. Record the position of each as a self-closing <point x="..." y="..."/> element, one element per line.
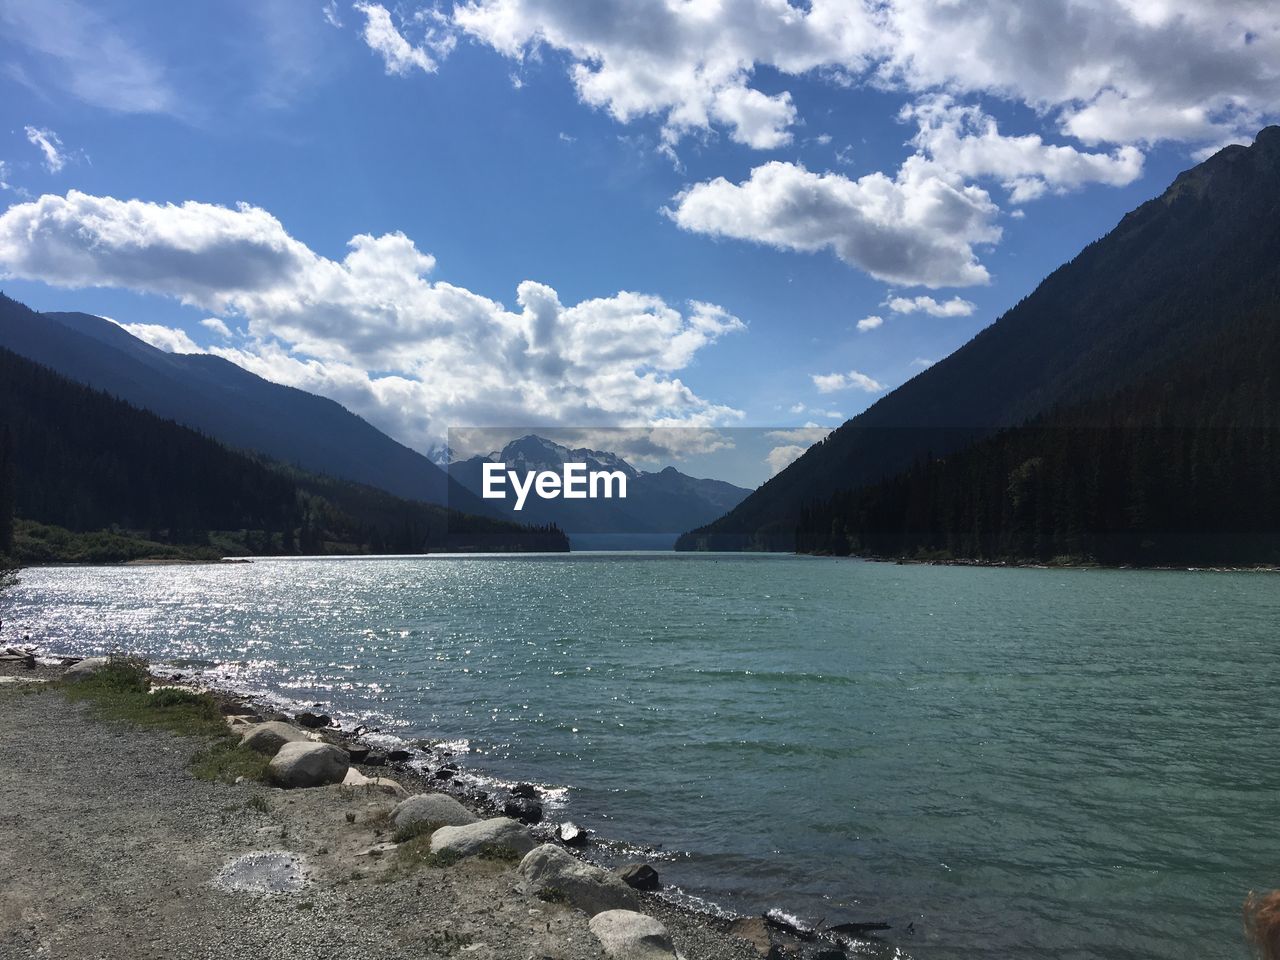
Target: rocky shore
<point x="334" y="849"/>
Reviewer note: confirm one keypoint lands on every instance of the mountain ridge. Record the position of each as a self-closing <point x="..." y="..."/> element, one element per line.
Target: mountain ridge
<point x="229" y="403"/>
<point x="659" y="504"/>
<point x="1173" y="273"/>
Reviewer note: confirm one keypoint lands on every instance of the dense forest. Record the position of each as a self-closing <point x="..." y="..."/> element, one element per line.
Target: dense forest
<point x="1182" y="468"/>
<point x="75" y="460"/>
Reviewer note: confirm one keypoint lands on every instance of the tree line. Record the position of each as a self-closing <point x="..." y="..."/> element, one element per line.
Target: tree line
<point x="75" y="458"/>
<point x="1182" y="468"/>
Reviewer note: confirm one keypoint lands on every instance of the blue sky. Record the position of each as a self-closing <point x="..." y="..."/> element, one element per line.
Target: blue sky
<point x="728" y="167"/>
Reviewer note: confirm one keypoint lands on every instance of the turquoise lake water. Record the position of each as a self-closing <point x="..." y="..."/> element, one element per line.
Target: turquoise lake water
<point x="1021" y="763"/>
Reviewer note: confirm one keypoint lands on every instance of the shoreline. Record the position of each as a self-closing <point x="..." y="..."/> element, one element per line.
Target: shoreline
<point x="431" y="767"/>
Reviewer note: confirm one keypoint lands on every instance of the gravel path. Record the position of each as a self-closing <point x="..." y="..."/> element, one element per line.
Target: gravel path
<point x="111" y="845"/>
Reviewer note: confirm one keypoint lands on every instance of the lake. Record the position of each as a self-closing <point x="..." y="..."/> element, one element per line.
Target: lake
<point x="1049" y="763"/>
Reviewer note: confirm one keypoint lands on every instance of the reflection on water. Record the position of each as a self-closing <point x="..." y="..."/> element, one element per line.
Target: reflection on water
<point x="1021" y="762"/>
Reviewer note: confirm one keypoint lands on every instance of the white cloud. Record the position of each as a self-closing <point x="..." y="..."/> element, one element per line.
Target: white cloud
<point x="966" y="142"/>
<point x="779" y="458"/>
<point x="1116" y="71"/>
<point x="801" y="408"/>
<point x="955" y="307"/>
<point x="47" y="142"/>
<point x="923" y="362"/>
<point x="330" y="12"/>
<point x="399" y="56"/>
<point x="82" y="52"/>
<point x="217" y="326"/>
<point x="444" y="355"/>
<point x="1182" y="68"/>
<point x="809" y="434"/>
<point x="691" y="64"/>
<point x="792" y="444"/>
<point x="870" y="323"/>
<point x="918" y="228"/>
<point x="832" y="382"/>
<point x="169" y="339"/>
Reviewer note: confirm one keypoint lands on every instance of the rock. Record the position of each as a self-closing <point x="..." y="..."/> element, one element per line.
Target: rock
<point x="375" y="759"/>
<point x="571" y="835"/>
<point x="435" y="808"/>
<point x="446" y="772"/>
<point x="523" y="809"/>
<point x="627" y="935"/>
<point x="398" y="756"/>
<point x="549" y="873"/>
<point x="526" y="790"/>
<point x="85" y="668"/>
<point x="639" y="876"/>
<point x="497" y="835"/>
<point x="358" y="752"/>
<point x="313" y="721"/>
<point x="269" y="737"/>
<point x="306" y="764"/>
<point x="355" y="778"/>
<point x="756" y="932"/>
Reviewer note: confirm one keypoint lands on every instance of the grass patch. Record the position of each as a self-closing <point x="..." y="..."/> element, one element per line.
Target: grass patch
<point x="499" y="854"/>
<point x="422" y="828"/>
<point x="226" y="761"/>
<point x="121" y="691"/>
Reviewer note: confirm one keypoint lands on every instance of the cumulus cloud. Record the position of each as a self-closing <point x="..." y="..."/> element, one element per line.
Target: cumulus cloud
<point x="955" y="307"/>
<point x="169" y="339"/>
<point x="832" y="382"/>
<point x="443" y="354"/>
<point x="1183" y="68"/>
<point x="50" y="147"/>
<point x="920" y="227"/>
<point x="965" y="141"/>
<point x="793" y="443"/>
<point x="1116" y="71"/>
<point x="399" y="56"/>
<point x="691" y="64"/>
<point x="217" y="326"/>
<point x="869" y="323"/>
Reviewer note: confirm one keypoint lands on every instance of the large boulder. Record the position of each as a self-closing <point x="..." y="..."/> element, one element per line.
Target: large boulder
<point x="269" y="737"/>
<point x="307" y="764"/>
<point x="85" y="668"/>
<point x="437" y="808"/>
<point x="551" y="873"/>
<point x="627" y="935"/>
<point x="499" y="836"/>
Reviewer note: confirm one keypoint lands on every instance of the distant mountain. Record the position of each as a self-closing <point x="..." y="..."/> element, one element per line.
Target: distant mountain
<point x="1195" y="268"/>
<point x="658" y="505"/>
<point x="75" y="458"/>
<point x="228" y="403"/>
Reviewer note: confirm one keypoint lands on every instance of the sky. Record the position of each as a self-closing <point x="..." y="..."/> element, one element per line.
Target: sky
<point x="594" y="212"/>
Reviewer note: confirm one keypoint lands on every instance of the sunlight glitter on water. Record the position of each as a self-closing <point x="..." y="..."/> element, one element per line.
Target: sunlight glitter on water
<point x="1019" y="762"/>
